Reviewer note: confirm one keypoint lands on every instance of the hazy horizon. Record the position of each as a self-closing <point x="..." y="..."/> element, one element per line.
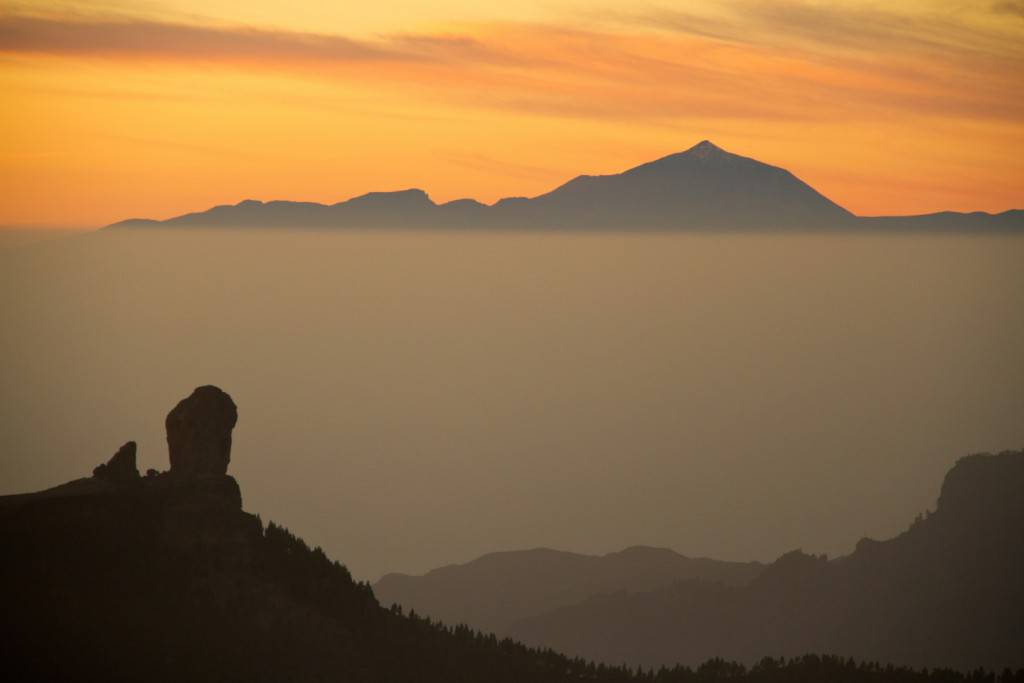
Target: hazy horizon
<point x="123" y="109"/>
<point x="409" y="400"/>
<point x="15" y="235"/>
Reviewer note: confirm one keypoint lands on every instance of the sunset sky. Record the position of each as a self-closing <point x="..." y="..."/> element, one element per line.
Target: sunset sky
<point x="115" y="109"/>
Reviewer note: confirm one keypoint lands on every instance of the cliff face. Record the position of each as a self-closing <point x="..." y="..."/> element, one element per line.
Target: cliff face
<point x="984" y="488"/>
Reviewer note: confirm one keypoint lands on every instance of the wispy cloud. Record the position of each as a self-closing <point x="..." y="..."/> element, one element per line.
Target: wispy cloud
<point x="894" y="28"/>
<point x="476" y="161"/>
<point x="137" y="38"/>
<point x="1010" y="7"/>
<point x="780" y="60"/>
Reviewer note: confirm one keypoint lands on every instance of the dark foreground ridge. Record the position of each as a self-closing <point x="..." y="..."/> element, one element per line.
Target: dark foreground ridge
<point x="164" y="577"/>
<point x="702" y="188"/>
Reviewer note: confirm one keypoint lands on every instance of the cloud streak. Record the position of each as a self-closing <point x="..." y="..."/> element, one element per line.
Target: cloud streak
<point x="1010" y="7"/>
<point x="787" y="60"/>
<point x="148" y="39"/>
<point x="135" y="38"/>
<point x="796" y="24"/>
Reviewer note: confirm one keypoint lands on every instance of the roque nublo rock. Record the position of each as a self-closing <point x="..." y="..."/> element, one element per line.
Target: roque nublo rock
<point x="199" y="433"/>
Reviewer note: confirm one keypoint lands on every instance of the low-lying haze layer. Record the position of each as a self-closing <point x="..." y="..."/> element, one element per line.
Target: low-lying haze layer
<point x="412" y="399"/>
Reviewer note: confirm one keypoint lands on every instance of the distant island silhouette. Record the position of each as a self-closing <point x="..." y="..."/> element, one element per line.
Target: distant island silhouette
<point x="164" y="577"/>
<point x="702" y="188"/>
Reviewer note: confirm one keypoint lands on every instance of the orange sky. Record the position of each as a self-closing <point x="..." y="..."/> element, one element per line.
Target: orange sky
<point x="115" y="109"/>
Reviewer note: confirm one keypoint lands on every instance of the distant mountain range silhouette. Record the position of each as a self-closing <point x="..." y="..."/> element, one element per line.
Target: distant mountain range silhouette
<point x="946" y="592"/>
<point x="704" y="187"/>
<point x="497" y="590"/>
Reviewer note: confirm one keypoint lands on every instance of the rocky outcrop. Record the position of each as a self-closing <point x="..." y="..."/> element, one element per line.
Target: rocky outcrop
<point x="983" y="486"/>
<point x="199" y="433"/>
<point x="193" y="506"/>
<point x="190" y="516"/>
<point x="120" y="469"/>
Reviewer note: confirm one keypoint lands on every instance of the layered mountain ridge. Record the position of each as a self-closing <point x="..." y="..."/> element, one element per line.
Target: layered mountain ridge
<point x="702" y="188"/>
<point x="945" y="592"/>
<point x="497" y="590"/>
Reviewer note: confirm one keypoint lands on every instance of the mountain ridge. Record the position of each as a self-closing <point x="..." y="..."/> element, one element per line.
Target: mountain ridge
<point x="950" y="577"/>
<point x="703" y="187"/>
<point x="497" y="589"/>
<point x="944" y="591"/>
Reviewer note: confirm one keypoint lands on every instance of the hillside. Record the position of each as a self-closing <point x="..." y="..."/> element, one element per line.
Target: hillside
<point x="947" y="592"/>
<point x="497" y="590"/>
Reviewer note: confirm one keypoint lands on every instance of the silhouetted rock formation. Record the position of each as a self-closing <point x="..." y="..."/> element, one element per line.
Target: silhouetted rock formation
<point x="704" y="187"/>
<point x="111" y="569"/>
<point x="195" y="504"/>
<point x="199" y="433"/>
<point x="121" y="466"/>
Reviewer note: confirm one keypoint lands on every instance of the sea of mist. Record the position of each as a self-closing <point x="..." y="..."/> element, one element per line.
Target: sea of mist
<point x="407" y="400"/>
